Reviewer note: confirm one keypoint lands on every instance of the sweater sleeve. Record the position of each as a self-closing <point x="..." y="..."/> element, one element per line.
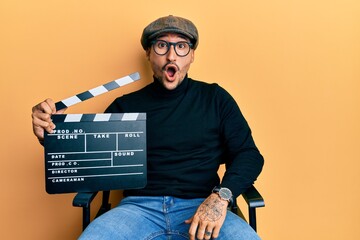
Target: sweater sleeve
<point x="242" y="158"/>
<point x="114" y="107"/>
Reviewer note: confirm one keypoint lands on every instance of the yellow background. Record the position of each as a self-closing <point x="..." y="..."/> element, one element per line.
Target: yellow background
<point x="293" y="66"/>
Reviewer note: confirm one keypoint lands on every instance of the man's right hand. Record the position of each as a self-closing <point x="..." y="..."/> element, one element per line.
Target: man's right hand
<point x="41" y="117"/>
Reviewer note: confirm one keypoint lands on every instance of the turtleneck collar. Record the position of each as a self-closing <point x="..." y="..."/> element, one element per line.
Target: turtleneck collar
<point x="160" y="91"/>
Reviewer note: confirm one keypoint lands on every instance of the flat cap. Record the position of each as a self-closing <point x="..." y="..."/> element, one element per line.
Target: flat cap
<point x="170" y="24"/>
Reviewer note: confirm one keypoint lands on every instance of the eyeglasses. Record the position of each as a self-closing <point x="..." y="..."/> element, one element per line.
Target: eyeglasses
<point x="162" y="47"/>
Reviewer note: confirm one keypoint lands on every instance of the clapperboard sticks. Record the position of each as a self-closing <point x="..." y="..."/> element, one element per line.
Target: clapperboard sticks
<point x="97" y="91"/>
<point x="98" y="117"/>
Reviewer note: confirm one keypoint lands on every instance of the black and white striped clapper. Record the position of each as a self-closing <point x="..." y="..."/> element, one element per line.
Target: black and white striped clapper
<point x="93" y="152"/>
<point x="97" y="91"/>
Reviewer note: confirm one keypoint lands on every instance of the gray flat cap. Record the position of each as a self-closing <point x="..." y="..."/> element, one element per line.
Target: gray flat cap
<point x="170" y="24"/>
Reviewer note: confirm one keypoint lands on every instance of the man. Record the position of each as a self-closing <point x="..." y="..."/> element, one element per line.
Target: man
<point x="192" y="127"/>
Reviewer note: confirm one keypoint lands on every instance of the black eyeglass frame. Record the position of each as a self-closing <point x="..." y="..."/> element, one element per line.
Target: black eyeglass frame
<point x="169" y="44"/>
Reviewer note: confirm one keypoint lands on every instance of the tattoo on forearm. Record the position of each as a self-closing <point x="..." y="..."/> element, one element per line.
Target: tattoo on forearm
<point x="211" y="209"/>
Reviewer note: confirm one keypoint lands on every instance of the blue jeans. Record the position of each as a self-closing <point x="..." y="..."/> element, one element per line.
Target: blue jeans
<point x="158" y="218"/>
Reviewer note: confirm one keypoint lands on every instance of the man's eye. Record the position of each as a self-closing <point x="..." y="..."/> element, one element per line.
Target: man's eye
<point x="181" y="45"/>
<point x="162" y="45"/>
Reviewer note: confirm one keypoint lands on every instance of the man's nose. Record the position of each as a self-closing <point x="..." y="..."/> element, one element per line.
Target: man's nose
<point x="171" y="55"/>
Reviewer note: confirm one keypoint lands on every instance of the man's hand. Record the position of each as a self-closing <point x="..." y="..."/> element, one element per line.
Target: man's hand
<point x="41" y="117"/>
<point x="208" y="219"/>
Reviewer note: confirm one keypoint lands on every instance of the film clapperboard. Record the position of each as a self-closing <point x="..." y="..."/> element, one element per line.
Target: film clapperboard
<point x="92" y="152"/>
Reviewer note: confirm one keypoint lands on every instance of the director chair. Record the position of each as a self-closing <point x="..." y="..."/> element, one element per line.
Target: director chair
<point x="251" y="196"/>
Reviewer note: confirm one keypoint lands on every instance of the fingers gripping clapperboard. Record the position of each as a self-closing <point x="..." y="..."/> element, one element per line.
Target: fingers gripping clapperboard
<point x="93" y="152"/>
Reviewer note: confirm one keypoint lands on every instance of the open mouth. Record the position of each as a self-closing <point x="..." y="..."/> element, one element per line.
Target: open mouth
<point x="170" y="70"/>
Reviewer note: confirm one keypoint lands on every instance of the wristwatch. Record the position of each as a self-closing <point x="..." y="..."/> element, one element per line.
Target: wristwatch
<point x="224" y="194"/>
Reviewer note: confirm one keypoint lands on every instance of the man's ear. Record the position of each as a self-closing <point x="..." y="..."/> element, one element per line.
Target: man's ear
<point x="148" y="53"/>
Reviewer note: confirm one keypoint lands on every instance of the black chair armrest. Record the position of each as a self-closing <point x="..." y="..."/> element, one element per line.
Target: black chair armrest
<point x="253" y="200"/>
<point x="84" y="200"/>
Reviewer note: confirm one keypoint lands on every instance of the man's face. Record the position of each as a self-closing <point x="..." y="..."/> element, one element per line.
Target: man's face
<point x="170" y="69"/>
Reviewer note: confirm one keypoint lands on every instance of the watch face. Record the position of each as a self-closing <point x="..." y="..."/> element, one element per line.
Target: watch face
<point x="225" y="193"/>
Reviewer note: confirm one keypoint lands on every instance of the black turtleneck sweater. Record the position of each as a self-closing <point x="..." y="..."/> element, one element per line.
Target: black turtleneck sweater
<point x="191" y="130"/>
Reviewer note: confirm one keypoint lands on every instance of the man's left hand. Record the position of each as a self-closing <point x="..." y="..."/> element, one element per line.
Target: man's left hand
<point x="208" y="219"/>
